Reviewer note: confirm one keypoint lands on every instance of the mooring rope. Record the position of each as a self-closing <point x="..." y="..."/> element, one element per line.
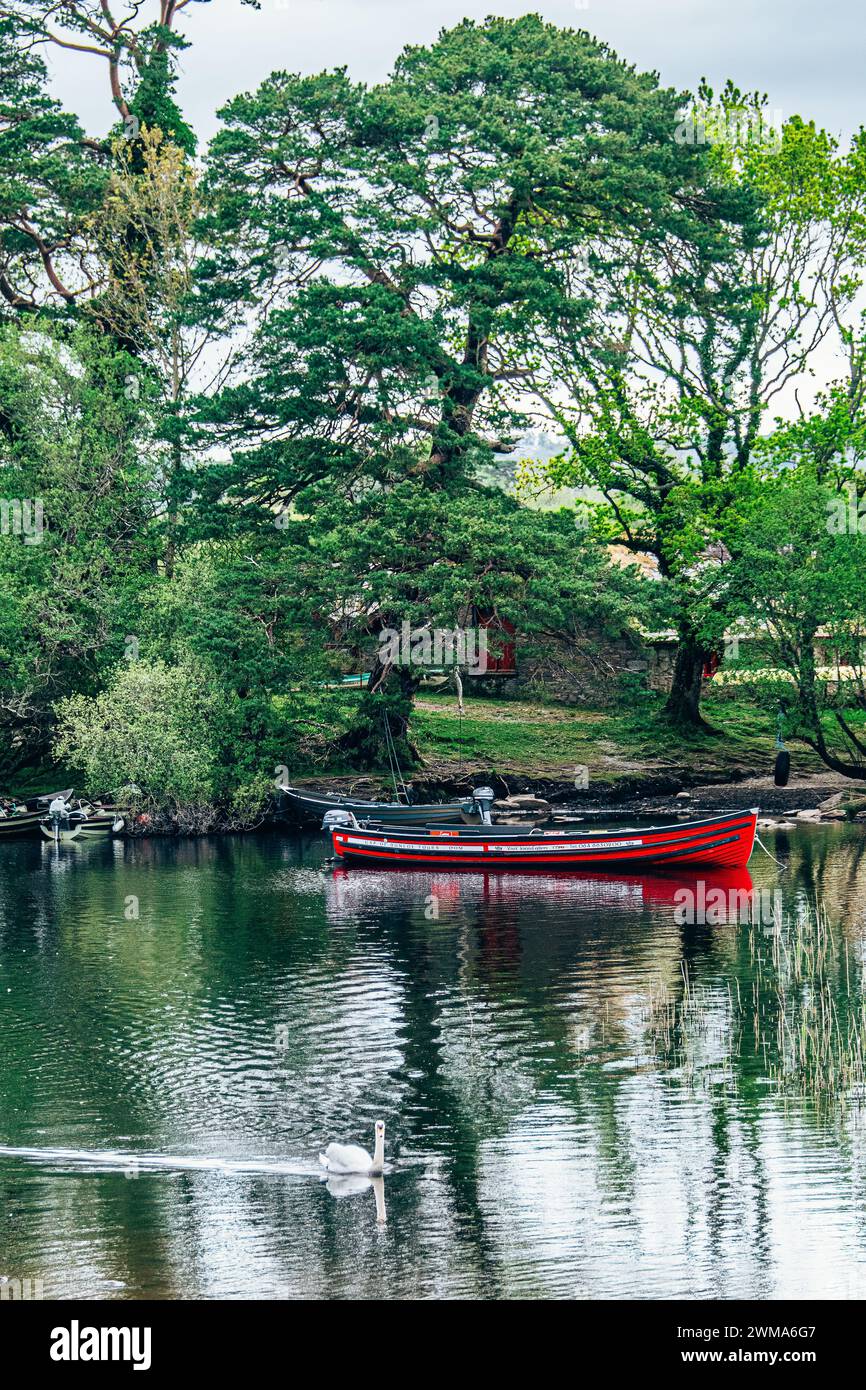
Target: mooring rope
<point x="394" y="761"/>
<point x="759" y="841"/>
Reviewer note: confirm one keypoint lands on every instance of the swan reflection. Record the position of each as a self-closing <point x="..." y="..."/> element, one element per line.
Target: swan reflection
<point x="352" y="1184"/>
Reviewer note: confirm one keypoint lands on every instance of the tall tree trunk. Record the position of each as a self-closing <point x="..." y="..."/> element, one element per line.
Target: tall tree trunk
<point x="389" y="695"/>
<point x="813" y="734"/>
<point x="176" y="459"/>
<point x="684" y="701"/>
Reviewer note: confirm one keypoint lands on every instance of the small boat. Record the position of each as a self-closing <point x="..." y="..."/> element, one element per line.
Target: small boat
<point x="17" y="820"/>
<point x="84" y="822"/>
<point x="22" y="818"/>
<point x="61" y="832"/>
<point x="313" y="805"/>
<point x="97" y="821"/>
<point x="724" y="841"/>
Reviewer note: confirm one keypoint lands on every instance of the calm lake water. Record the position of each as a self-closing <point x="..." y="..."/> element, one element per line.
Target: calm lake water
<point x="584" y="1095"/>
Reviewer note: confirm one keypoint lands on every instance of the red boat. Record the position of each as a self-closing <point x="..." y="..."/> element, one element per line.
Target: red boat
<point x="724" y="841"/>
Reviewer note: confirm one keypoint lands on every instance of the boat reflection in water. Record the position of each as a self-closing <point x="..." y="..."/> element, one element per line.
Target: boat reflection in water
<point x="713" y="896"/>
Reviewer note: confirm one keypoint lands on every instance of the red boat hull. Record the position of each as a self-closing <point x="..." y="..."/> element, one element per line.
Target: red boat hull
<point x="724" y="841"/>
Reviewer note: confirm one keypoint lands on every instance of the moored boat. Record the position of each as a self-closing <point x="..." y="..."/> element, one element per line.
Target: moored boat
<point x="84" y="822"/>
<point x="61" y="832"/>
<point x="722" y="841"/>
<point x="313" y="805"/>
<point x="16" y="821"/>
<point x="22" y="818"/>
<point x="97" y="822"/>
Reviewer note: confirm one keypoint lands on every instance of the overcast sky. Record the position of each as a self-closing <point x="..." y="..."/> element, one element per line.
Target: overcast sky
<point x="808" y="57"/>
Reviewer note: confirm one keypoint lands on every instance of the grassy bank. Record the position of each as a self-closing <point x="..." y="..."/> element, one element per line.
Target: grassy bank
<point x="538" y="744"/>
<point x="617" y="747"/>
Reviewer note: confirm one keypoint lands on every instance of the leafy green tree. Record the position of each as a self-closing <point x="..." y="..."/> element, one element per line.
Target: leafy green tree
<point x="76" y="548"/>
<point x="800" y="573"/>
<point x="410" y="246"/>
<point x="144" y="233"/>
<point x="409" y="243"/>
<point x="691" y="350"/>
<point x="105" y="227"/>
<point x="151" y="727"/>
<point x="62" y="244"/>
<point x="156" y="737"/>
<point x="139" y="53"/>
<point x="51" y="180"/>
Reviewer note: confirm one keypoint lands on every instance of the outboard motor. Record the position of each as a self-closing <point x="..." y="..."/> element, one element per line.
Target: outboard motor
<point x="335" y="819"/>
<point x="482" y="800"/>
<point x="58" y="814"/>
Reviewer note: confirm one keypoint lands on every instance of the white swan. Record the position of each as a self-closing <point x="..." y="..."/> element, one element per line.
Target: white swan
<point x="351" y="1158"/>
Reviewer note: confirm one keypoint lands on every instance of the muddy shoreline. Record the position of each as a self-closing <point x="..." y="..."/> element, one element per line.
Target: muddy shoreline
<point x="648" y="795"/>
<point x="810" y="797"/>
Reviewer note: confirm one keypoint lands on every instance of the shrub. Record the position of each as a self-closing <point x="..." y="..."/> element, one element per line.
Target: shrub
<point x="152" y="727"/>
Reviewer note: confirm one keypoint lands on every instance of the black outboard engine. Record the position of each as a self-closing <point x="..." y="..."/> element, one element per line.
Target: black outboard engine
<point x="482" y="800"/>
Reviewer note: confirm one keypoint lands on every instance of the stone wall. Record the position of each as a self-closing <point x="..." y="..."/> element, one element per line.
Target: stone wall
<point x="599" y="669"/>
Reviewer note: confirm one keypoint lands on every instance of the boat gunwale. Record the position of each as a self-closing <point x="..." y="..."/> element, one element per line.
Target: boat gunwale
<point x="507" y="833"/>
<point x="336" y="800"/>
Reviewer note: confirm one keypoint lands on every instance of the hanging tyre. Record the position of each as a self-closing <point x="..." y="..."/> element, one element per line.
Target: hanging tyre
<point x="782" y="770"/>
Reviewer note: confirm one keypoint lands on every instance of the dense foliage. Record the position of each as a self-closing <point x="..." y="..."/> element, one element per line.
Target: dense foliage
<point x="253" y="402"/>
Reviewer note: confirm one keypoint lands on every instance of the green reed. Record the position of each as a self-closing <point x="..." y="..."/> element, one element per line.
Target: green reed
<point x="791" y="1010"/>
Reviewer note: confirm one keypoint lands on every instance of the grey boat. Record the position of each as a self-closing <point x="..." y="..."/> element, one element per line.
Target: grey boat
<point x="22" y="818"/>
<point x="312" y="805"/>
<point x="85" y="822"/>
